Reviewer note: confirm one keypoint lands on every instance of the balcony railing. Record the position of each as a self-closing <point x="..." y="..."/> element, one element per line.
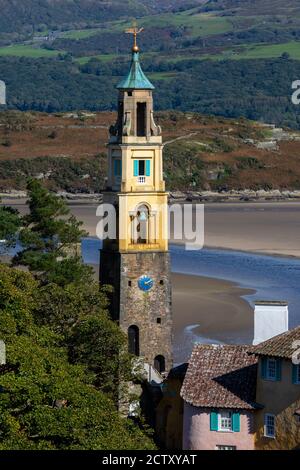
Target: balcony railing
<point x="141" y="179"/>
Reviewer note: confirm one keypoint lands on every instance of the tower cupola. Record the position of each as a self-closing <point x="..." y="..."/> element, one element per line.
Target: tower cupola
<point x="135" y="105"/>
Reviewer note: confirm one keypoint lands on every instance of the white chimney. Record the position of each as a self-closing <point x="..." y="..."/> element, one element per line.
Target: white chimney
<point x="271" y="318"/>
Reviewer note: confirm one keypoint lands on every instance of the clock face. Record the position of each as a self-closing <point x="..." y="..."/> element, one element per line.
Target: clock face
<point x="145" y="283"/>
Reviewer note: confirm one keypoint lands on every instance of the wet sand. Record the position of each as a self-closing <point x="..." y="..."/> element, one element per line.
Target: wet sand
<point x="209" y="310"/>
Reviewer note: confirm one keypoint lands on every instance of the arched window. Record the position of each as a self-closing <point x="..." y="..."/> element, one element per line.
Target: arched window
<point x="160" y="364"/>
<point x="134" y="340"/>
<point x="140" y="225"/>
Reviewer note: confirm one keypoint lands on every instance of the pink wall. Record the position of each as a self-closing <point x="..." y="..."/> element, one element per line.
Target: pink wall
<point x="198" y="436"/>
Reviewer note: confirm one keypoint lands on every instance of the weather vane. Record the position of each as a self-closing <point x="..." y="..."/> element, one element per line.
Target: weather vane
<point x="134" y="31"/>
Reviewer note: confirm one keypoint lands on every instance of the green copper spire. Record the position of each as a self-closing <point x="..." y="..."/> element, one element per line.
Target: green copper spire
<point x="136" y="79"/>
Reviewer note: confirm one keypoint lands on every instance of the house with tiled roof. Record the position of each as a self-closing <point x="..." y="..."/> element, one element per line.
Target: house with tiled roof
<point x="278" y="390"/>
<point x="219" y="395"/>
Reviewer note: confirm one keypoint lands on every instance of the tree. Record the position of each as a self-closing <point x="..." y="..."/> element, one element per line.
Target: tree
<point x="79" y="313"/>
<point x="10" y="223"/>
<point x="50" y="237"/>
<point x="46" y="402"/>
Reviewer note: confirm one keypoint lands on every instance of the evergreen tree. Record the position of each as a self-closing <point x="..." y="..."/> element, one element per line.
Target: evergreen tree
<point x="50" y="238"/>
<point x="10" y="223"/>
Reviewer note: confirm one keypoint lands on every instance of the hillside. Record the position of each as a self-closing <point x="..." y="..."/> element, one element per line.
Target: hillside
<point x="60" y="55"/>
<point x="67" y="152"/>
<point x="27" y="15"/>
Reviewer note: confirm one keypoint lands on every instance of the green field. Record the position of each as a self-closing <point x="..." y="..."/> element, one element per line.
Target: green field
<point x="198" y="25"/>
<point x="80" y="33"/>
<point x="26" y="51"/>
<point x="260" y="51"/>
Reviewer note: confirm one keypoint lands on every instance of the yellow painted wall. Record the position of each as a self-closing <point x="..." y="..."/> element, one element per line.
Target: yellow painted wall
<point x="282" y="399"/>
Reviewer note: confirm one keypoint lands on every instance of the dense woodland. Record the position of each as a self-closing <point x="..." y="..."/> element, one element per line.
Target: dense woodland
<point x="264" y="86"/>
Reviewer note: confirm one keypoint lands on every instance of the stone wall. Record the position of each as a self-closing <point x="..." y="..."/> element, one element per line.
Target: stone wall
<point x="150" y="311"/>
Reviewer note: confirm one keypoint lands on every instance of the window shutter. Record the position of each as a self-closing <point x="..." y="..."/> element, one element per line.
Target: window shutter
<point x="135" y="168"/>
<point x="278" y="369"/>
<point x="147" y="167"/>
<point x="264" y="368"/>
<point x="213" y="421"/>
<point x="236" y="420"/>
<point x="294" y="373"/>
<point x="116" y="167"/>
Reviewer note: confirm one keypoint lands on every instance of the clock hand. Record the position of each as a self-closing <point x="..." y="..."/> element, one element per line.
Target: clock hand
<point x="148" y="282"/>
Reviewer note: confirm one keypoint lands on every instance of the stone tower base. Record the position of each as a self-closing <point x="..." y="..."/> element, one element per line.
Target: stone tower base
<point x="150" y="312"/>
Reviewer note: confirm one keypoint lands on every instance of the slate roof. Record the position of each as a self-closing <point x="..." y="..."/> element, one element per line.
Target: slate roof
<point x="282" y="345"/>
<point x="178" y="372"/>
<point x="136" y="79"/>
<point x="221" y="376"/>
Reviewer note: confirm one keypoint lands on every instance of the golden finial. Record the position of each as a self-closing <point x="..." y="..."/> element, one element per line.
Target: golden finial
<point x="134" y="31"/>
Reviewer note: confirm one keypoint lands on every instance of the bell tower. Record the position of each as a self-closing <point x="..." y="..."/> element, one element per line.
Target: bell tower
<point x="137" y="262"/>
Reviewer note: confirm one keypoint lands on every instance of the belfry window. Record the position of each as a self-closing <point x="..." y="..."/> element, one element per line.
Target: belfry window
<point x="141" y="119"/>
<point x="143" y="224"/>
<point x="160" y="364"/>
<point x="134" y="340"/>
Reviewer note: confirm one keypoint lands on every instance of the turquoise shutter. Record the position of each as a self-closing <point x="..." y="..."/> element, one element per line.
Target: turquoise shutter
<point x="213" y="421"/>
<point x="236" y="422"/>
<point x="264" y="367"/>
<point x="294" y="373"/>
<point x="278" y="369"/>
<point x="135" y="168"/>
<point x="147" y="167"/>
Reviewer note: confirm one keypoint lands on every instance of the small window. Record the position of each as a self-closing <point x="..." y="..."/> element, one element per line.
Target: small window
<point x="225" y="421"/>
<point x="160" y="364"/>
<point x="271" y="369"/>
<point x="129" y="283"/>
<point x="142" y="168"/>
<point x="118" y="167"/>
<point x="221" y="447"/>
<point x="269" y="429"/>
<point x="130" y="93"/>
<point x="158" y="321"/>
<point x="161" y="282"/>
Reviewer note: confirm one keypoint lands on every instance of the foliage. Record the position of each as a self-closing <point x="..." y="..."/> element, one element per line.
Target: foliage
<point x="46" y="402"/>
<point x="209" y="87"/>
<point x="10" y="224"/>
<point x="50" y="237"/>
<point x="58" y="173"/>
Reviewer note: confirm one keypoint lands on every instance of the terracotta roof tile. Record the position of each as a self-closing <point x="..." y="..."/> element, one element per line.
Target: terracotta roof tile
<point x="282" y="345"/>
<point x="222" y="376"/>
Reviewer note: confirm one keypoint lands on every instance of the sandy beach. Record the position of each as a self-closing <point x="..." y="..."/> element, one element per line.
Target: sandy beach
<point x="209" y="310"/>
